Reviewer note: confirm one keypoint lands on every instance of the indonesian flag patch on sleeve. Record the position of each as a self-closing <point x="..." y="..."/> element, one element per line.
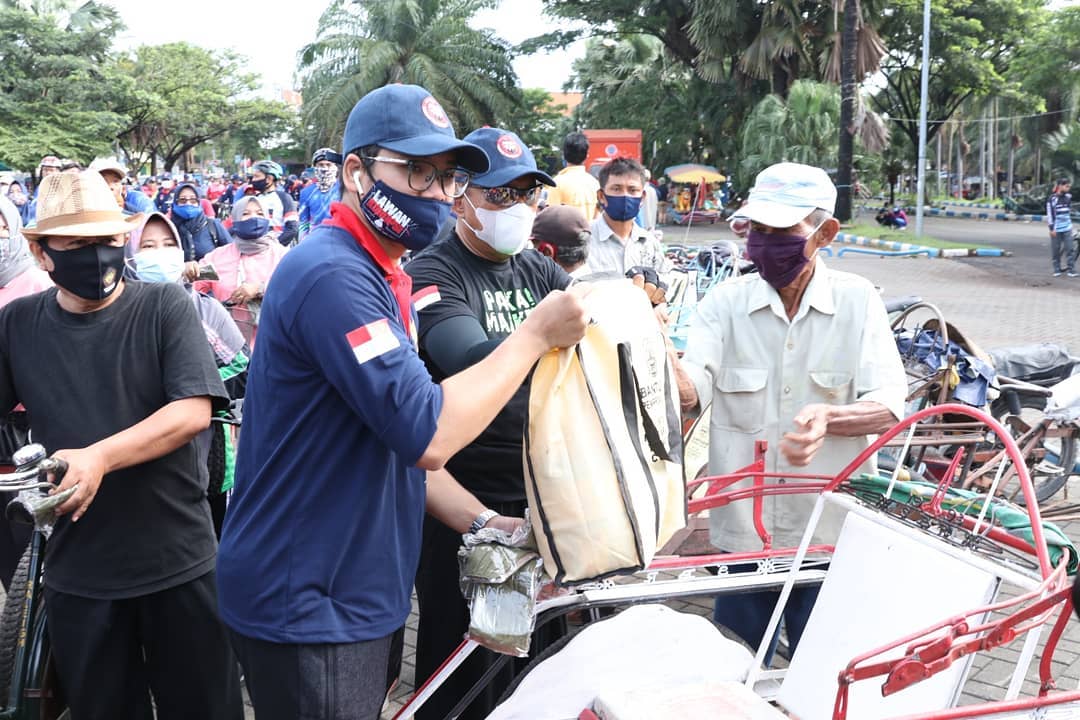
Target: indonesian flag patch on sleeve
<point x="426" y="296"/>
<point x="372" y="340"/>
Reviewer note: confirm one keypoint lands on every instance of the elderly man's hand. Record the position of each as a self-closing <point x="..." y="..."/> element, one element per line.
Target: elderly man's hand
<point x="800" y="445"/>
<point x="648" y="280"/>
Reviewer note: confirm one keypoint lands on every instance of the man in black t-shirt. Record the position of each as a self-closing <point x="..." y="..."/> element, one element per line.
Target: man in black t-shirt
<point x="117" y="380"/>
<point x="471" y="292"/>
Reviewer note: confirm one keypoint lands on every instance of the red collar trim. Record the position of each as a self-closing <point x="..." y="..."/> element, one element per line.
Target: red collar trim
<point x="342" y="216"/>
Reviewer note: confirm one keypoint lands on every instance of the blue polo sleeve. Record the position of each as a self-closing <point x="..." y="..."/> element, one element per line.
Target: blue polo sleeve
<point x="352" y="329"/>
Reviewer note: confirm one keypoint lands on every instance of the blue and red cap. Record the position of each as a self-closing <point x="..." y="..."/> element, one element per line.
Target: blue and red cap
<point x="407" y="119"/>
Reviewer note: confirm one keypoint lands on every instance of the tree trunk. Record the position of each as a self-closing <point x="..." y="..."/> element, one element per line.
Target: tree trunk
<point x="846" y="152"/>
<point x="1038" y="163"/>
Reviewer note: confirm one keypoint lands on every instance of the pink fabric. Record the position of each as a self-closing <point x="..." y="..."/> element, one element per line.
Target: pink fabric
<point x="33" y="280"/>
<point x="233" y="269"/>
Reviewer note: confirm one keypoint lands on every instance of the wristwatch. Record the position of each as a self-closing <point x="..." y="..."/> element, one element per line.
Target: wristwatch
<point x="481" y="520"/>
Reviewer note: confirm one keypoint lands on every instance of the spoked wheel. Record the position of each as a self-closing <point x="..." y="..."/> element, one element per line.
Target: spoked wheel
<point x="1050" y="461"/>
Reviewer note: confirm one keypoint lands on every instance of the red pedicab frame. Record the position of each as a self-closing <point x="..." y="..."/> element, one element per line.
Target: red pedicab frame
<point x="926" y="652"/>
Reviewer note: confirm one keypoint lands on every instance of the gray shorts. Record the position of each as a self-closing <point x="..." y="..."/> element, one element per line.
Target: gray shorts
<point x="314" y="682"/>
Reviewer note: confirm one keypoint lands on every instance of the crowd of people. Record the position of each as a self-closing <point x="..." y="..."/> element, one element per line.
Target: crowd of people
<point x="400" y="300"/>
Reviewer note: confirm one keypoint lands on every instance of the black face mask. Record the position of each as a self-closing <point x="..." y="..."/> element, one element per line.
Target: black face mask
<point x="260" y="185"/>
<point x="92" y="272"/>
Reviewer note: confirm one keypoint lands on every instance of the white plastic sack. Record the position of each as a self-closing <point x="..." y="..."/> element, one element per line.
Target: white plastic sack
<point x="643" y="648"/>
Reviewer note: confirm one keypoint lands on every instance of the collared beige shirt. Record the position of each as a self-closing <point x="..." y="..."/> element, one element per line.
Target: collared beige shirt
<point x="759" y="370"/>
<point x="609" y="253"/>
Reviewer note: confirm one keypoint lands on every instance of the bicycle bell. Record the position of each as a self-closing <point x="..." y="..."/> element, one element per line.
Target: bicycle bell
<point x="28" y="456"/>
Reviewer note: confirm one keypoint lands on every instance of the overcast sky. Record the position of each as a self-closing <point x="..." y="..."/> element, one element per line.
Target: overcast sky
<point x="270" y="37"/>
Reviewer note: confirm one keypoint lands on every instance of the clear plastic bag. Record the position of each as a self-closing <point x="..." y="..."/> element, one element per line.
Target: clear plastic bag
<point x="500" y="579"/>
<point x="42" y="508"/>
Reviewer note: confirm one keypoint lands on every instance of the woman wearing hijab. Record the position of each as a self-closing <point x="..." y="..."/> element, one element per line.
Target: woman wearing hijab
<point x="19" y="274"/>
<point x="199" y="234"/>
<point x="157" y="256"/>
<point x="16" y="193"/>
<point x="243" y="267"/>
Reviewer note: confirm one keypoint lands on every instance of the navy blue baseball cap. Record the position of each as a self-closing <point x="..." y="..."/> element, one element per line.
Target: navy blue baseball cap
<point x="409" y="120"/>
<point x="510" y="158"/>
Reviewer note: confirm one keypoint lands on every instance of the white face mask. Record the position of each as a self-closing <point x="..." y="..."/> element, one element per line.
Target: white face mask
<point x="164" y="264"/>
<point x="505" y="231"/>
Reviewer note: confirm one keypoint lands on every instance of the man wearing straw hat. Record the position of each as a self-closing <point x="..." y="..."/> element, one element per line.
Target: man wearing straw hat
<point x="117" y="380"/>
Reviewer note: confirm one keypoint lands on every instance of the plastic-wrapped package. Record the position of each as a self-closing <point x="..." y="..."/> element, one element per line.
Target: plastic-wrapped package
<point x="500" y="578"/>
<point x="42" y="508"/>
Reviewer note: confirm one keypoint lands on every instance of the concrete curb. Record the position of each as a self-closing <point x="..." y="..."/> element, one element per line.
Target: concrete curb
<point x="972" y="215"/>
<point x="991" y="206"/>
<point x="877" y="246"/>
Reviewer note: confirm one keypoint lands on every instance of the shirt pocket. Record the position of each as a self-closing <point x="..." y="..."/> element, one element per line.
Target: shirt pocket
<point x="831" y="387"/>
<point x="739" y="400"/>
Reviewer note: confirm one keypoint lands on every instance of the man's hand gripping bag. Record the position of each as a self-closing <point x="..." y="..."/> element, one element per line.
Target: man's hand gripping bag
<point x="603" y="448"/>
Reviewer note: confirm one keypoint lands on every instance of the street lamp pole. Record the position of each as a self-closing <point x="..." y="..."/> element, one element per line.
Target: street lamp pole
<point x="920" y="193"/>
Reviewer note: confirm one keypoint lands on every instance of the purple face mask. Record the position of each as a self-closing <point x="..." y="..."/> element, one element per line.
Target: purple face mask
<point x="779" y="257"/>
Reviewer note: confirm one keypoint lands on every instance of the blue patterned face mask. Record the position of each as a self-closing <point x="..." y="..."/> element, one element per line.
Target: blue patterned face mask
<point x="407" y="219"/>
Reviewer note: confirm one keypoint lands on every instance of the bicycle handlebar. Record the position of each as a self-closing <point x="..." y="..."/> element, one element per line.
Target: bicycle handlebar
<point x="32" y="468"/>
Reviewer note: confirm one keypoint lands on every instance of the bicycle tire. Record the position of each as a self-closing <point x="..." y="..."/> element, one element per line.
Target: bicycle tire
<point x="1045" y="484"/>
<point x="11" y="621"/>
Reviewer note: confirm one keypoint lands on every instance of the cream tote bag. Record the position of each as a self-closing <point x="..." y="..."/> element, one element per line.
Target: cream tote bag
<point x="603" y="445"/>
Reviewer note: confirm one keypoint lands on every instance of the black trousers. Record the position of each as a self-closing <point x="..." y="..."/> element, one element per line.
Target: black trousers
<point x="111" y="655"/>
<point x="444" y="621"/>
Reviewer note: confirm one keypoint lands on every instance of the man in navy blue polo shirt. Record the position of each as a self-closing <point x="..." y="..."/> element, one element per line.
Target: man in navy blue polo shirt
<point x="322" y="537"/>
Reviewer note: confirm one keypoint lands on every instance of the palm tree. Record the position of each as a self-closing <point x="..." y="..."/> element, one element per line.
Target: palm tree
<point x="365" y="44"/>
<point x="73" y="18"/>
<point x="802" y="129"/>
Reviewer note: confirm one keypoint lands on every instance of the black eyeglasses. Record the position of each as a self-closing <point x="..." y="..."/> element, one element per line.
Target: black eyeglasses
<point x="422" y="174"/>
<point x="506" y="196"/>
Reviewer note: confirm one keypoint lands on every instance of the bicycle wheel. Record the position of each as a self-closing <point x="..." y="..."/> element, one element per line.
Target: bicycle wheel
<point x="11" y="622"/>
<point x="1052" y="460"/>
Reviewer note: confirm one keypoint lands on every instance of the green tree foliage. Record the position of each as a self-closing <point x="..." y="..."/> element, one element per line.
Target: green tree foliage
<point x="56" y="92"/>
<point x="365" y="44"/>
<point x="637" y="83"/>
<point x="185" y="96"/>
<point x="541" y="125"/>
<point x="1063" y="150"/>
<point x="804" y="129"/>
<point x="972" y="42"/>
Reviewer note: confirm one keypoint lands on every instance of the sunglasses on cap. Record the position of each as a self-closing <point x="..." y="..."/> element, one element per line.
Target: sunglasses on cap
<point x="505" y="196"/>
